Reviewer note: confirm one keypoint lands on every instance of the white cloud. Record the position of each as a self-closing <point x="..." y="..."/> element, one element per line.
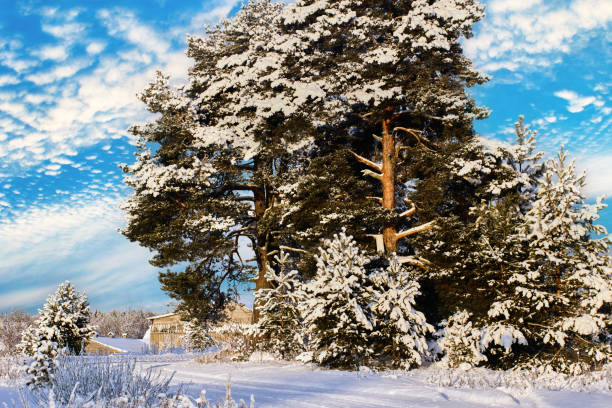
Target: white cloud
<point x="25" y="297"/>
<point x="76" y="242"/>
<point x="68" y="31"/>
<point x="95" y="47"/>
<point x="58" y="73"/>
<point x="599" y="169"/>
<point x="577" y="103"/>
<point x="53" y="52"/>
<point x="8" y="80"/>
<point x="500" y="6"/>
<point x="124" y="24"/>
<point x="515" y="29"/>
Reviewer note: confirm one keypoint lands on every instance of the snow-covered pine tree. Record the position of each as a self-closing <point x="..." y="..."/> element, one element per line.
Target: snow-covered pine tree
<point x="196" y="336"/>
<point x="63" y="324"/>
<point x="399" y="339"/>
<point x="565" y="291"/>
<point x="280" y="329"/>
<point x="224" y="146"/>
<point x="460" y="342"/>
<point x="393" y="69"/>
<point x="336" y="313"/>
<point x="473" y="254"/>
<point x="42" y="357"/>
<point x="64" y="319"/>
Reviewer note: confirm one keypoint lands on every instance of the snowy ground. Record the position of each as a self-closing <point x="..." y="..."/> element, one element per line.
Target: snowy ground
<point x="289" y="385"/>
<point x="294" y="385"/>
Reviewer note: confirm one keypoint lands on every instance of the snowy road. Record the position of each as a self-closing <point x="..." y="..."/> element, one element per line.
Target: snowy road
<point x="294" y="385"/>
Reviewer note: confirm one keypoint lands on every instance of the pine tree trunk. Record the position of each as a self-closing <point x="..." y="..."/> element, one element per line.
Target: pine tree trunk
<point x="261" y="251"/>
<point x="388" y="182"/>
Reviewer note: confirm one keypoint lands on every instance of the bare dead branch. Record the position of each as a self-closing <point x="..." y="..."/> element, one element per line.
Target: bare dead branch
<point x="417" y="135"/>
<point x="410" y="260"/>
<point x="380" y="245"/>
<point x="409" y="212"/>
<point x="370" y="173"/>
<point x="415" y="230"/>
<point x="367" y="162"/>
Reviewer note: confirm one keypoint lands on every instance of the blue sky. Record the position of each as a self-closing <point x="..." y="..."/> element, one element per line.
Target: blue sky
<point x="70" y="72"/>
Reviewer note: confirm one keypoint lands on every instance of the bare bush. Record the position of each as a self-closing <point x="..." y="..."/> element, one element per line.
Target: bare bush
<point x="130" y="323"/>
<point x="12" y="324"/>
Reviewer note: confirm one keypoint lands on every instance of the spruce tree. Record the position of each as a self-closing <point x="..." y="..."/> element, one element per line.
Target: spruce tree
<point x="336" y="311"/>
<point x="62" y="325"/>
<point x="400" y="333"/>
<point x="474" y="255"/>
<point x="196" y="336"/>
<point x="64" y="319"/>
<point x="279" y="329"/>
<point x="565" y="293"/>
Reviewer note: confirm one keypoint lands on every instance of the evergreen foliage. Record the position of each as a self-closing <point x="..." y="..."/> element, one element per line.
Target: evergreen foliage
<point x="302" y="120"/>
<point x="63" y="324"/>
<point x="460" y="342"/>
<point x="400" y="336"/>
<point x="336" y="306"/>
<point x="279" y="330"/>
<point x="565" y="293"/>
<point x="196" y="337"/>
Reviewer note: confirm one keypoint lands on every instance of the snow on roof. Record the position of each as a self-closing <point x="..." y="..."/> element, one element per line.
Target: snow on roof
<point x="160" y="316"/>
<point x="122" y="344"/>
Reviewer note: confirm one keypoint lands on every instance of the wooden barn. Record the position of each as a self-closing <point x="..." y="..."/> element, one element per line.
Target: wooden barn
<point x="167" y="330"/>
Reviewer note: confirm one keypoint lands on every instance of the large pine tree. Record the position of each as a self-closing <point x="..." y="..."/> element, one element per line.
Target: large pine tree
<point x="387" y="82"/>
<point x="222" y="147"/>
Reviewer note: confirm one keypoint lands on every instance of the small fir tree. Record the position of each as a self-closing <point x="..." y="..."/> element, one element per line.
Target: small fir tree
<point x="565" y="292"/>
<point x="63" y="324"/>
<point x="279" y="329"/>
<point x="400" y="333"/>
<point x="196" y="336"/>
<point x="460" y="342"/>
<point x="336" y="306"/>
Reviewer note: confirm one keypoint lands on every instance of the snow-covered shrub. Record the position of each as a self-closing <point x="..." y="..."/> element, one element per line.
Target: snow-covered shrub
<point x="335" y="308"/>
<point x="102" y="381"/>
<point x="400" y="329"/>
<point x="279" y="329"/>
<point x="42" y="362"/>
<point x="460" y="341"/>
<point x="196" y="337"/>
<point x="237" y="340"/>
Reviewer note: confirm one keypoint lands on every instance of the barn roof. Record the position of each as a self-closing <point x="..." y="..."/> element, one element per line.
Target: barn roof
<point x="122" y="345"/>
<point x="160" y="316"/>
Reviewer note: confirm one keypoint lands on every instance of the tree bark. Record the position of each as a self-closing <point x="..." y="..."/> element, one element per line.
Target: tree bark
<point x="261" y="250"/>
<point x="388" y="181"/>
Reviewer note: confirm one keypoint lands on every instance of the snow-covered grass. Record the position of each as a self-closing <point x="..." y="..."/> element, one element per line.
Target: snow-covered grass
<point x="10" y="370"/>
<point x="289" y="384"/>
<point x="482" y="378"/>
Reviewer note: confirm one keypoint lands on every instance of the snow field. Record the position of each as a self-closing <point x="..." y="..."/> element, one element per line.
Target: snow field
<point x="288" y="385"/>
